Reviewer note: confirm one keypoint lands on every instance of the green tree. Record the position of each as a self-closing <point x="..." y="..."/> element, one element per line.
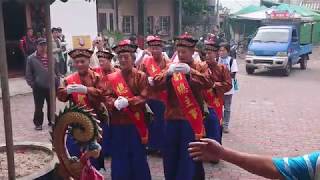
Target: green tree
<point x="194" y="7"/>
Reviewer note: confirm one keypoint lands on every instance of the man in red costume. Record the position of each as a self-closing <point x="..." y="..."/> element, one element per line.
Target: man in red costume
<point x="125" y="100"/>
<point x="152" y="66"/>
<point x="184" y="112"/>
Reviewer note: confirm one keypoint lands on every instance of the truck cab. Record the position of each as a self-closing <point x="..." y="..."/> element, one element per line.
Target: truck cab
<point x="277" y="47"/>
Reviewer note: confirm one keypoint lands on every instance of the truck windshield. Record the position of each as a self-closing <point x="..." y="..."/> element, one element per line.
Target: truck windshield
<point x="272" y="35"/>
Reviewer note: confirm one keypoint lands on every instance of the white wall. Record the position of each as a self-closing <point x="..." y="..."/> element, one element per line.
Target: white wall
<point x="75" y="17"/>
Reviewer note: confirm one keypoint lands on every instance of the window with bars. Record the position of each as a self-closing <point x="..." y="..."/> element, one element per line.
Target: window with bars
<point x="102" y="17"/>
<point x="111" y="21"/>
<point x="127" y="24"/>
<point x="150" y="24"/>
<point x="164" y="25"/>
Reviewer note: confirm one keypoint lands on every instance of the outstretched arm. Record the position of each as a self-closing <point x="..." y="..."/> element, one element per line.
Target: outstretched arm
<point x="210" y="150"/>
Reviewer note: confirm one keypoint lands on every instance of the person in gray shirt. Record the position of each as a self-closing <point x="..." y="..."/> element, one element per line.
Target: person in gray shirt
<point x="37" y="77"/>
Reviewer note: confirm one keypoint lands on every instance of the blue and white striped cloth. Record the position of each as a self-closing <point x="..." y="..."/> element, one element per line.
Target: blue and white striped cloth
<point x="305" y="167"/>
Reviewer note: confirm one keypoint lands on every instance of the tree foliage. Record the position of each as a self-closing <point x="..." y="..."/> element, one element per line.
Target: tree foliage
<point x="194" y="7"/>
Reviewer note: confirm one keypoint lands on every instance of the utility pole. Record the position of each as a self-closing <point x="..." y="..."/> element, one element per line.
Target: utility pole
<point x="116" y="8"/>
<point x="51" y="65"/>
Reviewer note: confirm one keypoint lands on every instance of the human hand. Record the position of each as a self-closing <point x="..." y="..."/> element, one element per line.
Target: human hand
<point x="121" y="103"/>
<point x="171" y="69"/>
<point x="206" y="150"/>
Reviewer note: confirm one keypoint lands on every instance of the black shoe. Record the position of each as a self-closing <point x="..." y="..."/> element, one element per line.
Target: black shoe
<point x="38" y="128"/>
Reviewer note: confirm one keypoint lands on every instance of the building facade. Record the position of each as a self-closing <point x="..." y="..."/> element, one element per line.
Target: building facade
<point x="138" y="17"/>
<point x="312" y="4"/>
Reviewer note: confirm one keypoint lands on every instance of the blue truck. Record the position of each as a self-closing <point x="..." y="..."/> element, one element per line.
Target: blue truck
<point x="277" y="47"/>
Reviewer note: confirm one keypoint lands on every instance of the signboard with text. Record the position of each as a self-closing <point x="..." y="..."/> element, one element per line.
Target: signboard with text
<point x="82" y="42"/>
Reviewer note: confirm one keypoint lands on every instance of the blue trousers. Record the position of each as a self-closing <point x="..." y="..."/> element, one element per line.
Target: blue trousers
<point x="178" y="165"/>
<point x="156" y="128"/>
<point x="74" y="150"/>
<point x="129" y="160"/>
<point x="106" y="142"/>
<point x="212" y="126"/>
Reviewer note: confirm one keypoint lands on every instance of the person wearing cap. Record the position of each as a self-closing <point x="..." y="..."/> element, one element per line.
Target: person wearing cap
<point x="105" y="68"/>
<point x="125" y="100"/>
<point x="37" y="77"/>
<point x="57" y="51"/>
<point x="97" y="45"/>
<point x="153" y="65"/>
<point x="184" y="111"/>
<point x="140" y="53"/>
<point x="213" y="96"/>
<point x="62" y="39"/>
<point x="83" y="88"/>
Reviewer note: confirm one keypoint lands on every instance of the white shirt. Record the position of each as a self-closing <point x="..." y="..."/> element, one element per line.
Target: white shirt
<point x="138" y="54"/>
<point x="233" y="69"/>
<point x="94" y="61"/>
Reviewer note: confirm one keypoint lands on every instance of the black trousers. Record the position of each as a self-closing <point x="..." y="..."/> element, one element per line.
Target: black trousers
<point x="62" y="66"/>
<point x="40" y="95"/>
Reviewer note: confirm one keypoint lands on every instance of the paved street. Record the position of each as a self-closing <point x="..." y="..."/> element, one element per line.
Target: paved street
<point x="272" y="115"/>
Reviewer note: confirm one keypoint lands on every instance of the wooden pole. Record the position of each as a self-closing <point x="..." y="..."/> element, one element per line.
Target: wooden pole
<point x="180" y="17"/>
<point x="116" y="5"/>
<point x="6" y="100"/>
<point x="217" y="8"/>
<point x="52" y="61"/>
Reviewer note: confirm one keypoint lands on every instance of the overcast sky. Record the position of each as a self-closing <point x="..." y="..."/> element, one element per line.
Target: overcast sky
<point x="236" y="5"/>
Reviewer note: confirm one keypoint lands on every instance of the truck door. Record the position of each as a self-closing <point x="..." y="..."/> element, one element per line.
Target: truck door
<point x="295" y="47"/>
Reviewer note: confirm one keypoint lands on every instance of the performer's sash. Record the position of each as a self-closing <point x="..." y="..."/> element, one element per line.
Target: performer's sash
<point x="188" y="103"/>
<point x="214" y="102"/>
<point x="121" y="88"/>
<point x="79" y="99"/>
<point x="99" y="70"/>
<point x="153" y="69"/>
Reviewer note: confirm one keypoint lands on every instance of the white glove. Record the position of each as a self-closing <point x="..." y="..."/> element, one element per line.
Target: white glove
<point x="150" y="80"/>
<point x="171" y="69"/>
<point x="121" y="103"/>
<point x="182" y="68"/>
<point x="77" y="88"/>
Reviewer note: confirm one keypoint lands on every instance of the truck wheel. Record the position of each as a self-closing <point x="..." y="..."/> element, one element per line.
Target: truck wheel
<point x="250" y="70"/>
<point x="303" y="62"/>
<point x="287" y="70"/>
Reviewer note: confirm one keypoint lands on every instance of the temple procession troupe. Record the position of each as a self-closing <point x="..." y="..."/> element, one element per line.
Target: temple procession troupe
<point x="157" y="106"/>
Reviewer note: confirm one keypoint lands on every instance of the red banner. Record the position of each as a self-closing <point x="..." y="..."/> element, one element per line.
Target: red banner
<point x="121" y="88"/>
<point x="79" y="99"/>
<point x="214" y="102"/>
<point x="189" y="104"/>
<point x="153" y="69"/>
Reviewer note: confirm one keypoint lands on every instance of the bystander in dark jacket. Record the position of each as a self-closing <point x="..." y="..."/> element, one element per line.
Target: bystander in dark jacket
<point x="37" y="77"/>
